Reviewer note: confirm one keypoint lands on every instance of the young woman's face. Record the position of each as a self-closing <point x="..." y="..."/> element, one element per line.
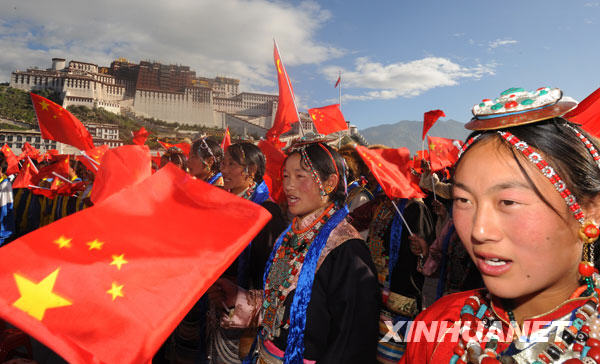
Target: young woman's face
<point x="235" y="178"/>
<point x="520" y="245"/>
<point x="301" y="191"/>
<point x="197" y="167"/>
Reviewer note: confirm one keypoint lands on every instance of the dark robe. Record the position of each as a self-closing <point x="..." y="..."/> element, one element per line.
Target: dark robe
<point x="342" y="316"/>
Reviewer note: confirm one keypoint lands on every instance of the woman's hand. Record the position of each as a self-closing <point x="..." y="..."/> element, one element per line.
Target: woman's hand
<point x="224" y="292"/>
<point x="418" y="246"/>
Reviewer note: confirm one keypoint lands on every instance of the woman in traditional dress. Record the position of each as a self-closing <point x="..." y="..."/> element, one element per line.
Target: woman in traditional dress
<point x="205" y="160"/>
<point x="243" y="168"/>
<point x="320" y="299"/>
<point x="525" y="207"/>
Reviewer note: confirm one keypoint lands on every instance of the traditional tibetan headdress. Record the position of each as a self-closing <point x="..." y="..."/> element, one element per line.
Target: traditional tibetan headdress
<point x="300" y="145"/>
<point x="516" y="107"/>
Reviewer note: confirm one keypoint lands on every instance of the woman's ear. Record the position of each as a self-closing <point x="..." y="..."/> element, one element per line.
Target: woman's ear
<point x="251" y="171"/>
<point x="331" y="183"/>
<point x="592" y="209"/>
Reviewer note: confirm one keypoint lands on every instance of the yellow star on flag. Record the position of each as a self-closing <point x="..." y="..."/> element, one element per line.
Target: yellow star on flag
<point x="118" y="260"/>
<point x="95" y="244"/>
<point x="36" y="298"/>
<point x="431" y="146"/>
<point x="63" y="242"/>
<point x="116" y="290"/>
<point x="44" y="105"/>
<point x="53" y="116"/>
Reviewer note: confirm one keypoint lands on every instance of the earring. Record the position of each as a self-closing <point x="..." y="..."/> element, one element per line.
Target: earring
<point x="588" y="233"/>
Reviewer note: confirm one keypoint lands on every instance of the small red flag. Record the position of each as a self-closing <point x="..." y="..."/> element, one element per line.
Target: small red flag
<point x="429" y="118"/>
<point x="328" y="119"/>
<point x="120" y="168"/>
<point x="56" y="123"/>
<point x="287" y="113"/>
<point x="185" y="147"/>
<point x="27" y="172"/>
<point x="337" y="83"/>
<point x="60" y="166"/>
<point x="587" y="113"/>
<point x="140" y="136"/>
<point x="29" y="151"/>
<point x="110" y="283"/>
<point x="391" y="168"/>
<point x="92" y="157"/>
<point x="226" y="140"/>
<point x="11" y="160"/>
<point x="443" y="152"/>
<point x="275" y="158"/>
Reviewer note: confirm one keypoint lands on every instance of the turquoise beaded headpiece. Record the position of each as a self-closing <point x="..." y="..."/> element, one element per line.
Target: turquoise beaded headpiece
<point x="516" y="106"/>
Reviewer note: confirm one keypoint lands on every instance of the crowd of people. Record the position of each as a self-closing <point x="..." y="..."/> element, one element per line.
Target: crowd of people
<point x="479" y="271"/>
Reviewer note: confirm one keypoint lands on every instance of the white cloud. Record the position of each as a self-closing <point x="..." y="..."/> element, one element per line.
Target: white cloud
<point x="501" y="42"/>
<point x="224" y="37"/>
<point x="404" y="79"/>
<point x="592" y="4"/>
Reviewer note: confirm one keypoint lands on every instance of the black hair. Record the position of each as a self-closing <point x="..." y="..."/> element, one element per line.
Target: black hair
<point x="322" y="161"/>
<point x="247" y="154"/>
<point x="199" y="148"/>
<point x="175" y="156"/>
<point x="3" y="163"/>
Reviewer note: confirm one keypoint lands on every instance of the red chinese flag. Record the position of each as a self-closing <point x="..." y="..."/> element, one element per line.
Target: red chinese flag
<point x="328" y="119"/>
<point x="391" y="168"/>
<point x="29" y="151"/>
<point x="140" y="136"/>
<point x="419" y="157"/>
<point x="92" y="157"/>
<point x="27" y="172"/>
<point x="120" y="168"/>
<point x="59" y="166"/>
<point x="56" y="123"/>
<point x="287" y="113"/>
<point x="429" y="118"/>
<point x="110" y="283"/>
<point x="11" y="160"/>
<point x="275" y="158"/>
<point x="587" y="113"/>
<point x="226" y="140"/>
<point x="185" y="147"/>
<point x="443" y="152"/>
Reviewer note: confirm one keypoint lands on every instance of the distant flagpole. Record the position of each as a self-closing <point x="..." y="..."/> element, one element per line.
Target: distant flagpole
<point x="287" y="79"/>
<point x="340" y="95"/>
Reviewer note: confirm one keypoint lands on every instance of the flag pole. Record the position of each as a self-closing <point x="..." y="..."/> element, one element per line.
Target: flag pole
<point x="402" y="217"/>
<point x="431" y="173"/>
<point x="287" y="81"/>
<point x="340" y="95"/>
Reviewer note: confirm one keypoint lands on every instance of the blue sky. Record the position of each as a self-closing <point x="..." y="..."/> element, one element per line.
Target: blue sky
<point x="398" y="58"/>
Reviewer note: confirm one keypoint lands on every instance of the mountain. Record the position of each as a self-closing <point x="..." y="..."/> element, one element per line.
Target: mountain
<point x="408" y="133"/>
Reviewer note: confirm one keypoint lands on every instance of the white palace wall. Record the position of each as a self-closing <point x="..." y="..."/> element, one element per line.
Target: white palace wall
<point x="174" y="107"/>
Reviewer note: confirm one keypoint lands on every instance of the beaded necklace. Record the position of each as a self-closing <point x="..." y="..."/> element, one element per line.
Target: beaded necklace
<point x="249" y="191"/>
<point x="580" y="339"/>
<point x="286" y="266"/>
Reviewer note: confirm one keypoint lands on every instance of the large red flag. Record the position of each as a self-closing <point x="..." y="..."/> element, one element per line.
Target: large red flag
<point x="185" y="147"/>
<point x="391" y="168"/>
<point x="140" y="136"/>
<point x="587" y="113"/>
<point x="56" y="123"/>
<point x="27" y="172"/>
<point x="429" y="118"/>
<point x="443" y="152"/>
<point x="287" y="113"/>
<point x="11" y="160"/>
<point x="110" y="283"/>
<point x="226" y="140"/>
<point x="274" y="157"/>
<point x="328" y="119"/>
<point x="120" y="168"/>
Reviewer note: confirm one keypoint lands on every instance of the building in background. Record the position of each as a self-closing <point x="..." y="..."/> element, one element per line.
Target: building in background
<point x="171" y="93"/>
